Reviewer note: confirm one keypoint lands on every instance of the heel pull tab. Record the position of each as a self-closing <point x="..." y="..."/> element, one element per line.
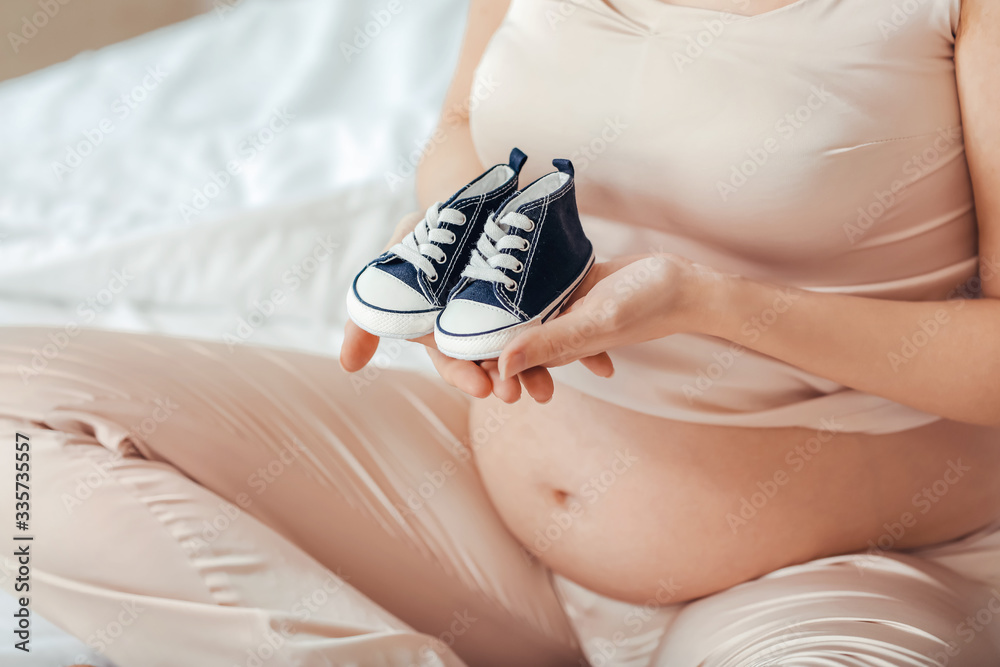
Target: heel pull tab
<point x="565" y="166"/>
<point x="517" y="160"/>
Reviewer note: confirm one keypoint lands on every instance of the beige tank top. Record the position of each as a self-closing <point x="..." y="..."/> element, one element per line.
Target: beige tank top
<point x="818" y="145"/>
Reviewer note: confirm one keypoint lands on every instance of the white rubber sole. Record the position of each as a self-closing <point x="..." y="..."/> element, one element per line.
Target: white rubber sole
<point x="404" y="326"/>
<point x="489" y="345"/>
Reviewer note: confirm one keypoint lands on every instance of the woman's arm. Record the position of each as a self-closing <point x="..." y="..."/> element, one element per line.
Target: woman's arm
<point x="451" y="160"/>
<point x="977" y="61"/>
<point x="941" y="357"/>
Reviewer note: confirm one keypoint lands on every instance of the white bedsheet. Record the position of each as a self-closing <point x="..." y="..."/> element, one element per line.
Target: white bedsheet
<point x="106" y="241"/>
<point x="200" y="89"/>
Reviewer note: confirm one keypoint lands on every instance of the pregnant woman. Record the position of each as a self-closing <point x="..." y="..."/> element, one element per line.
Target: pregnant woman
<point x="767" y="432"/>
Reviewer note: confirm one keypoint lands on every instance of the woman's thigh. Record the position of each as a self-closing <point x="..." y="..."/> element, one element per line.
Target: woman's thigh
<point x="119" y="560"/>
<point x="372" y="476"/>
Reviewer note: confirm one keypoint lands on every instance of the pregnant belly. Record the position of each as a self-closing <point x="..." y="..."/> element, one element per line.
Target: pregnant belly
<point x="624" y="503"/>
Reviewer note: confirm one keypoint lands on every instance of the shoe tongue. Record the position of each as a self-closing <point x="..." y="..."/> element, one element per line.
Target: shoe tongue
<point x="479" y="188"/>
<point x="506" y="206"/>
<point x="454" y="198"/>
<point x="398" y="268"/>
<point x="457" y="197"/>
<point x="477" y="290"/>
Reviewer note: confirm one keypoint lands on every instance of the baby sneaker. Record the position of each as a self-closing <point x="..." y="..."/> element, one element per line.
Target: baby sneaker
<point x="531" y="256"/>
<point x="401" y="292"/>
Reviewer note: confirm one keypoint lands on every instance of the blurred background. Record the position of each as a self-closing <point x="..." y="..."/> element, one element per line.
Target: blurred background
<point x="181" y="167"/>
<point x="217" y="170"/>
<point x="83" y="26"/>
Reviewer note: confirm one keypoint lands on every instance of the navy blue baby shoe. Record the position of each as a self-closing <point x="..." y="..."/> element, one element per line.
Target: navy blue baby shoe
<point x="401" y="292"/>
<point x="531" y="256"/>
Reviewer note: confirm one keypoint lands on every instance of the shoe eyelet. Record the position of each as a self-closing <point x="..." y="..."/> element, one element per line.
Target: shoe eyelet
<point x="432" y="279"/>
<point x="440" y="261"/>
<point x="531" y="227"/>
<point x="526" y="247"/>
<point x="510" y="288"/>
<point x="453" y="238"/>
<point x="520" y="267"/>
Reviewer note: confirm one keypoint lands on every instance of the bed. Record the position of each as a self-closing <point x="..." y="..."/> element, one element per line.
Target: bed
<point x="172" y="182"/>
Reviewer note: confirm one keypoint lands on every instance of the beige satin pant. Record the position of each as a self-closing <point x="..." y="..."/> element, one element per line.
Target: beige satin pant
<point x="196" y="504"/>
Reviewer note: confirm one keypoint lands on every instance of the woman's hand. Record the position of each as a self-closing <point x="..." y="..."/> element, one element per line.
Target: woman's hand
<point x="625" y="301"/>
<point x="478" y="380"/>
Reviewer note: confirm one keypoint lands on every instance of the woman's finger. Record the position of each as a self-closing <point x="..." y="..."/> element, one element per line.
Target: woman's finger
<point x="403" y="227"/>
<point x="509" y="390"/>
<point x="538" y="383"/>
<point x="358" y="348"/>
<point x="570" y="336"/>
<point x="359" y="345"/>
<point x="599" y="364"/>
<point x="463" y="375"/>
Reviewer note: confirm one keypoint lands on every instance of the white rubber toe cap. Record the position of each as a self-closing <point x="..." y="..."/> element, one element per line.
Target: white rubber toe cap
<point x="384" y="290"/>
<point x="462" y="316"/>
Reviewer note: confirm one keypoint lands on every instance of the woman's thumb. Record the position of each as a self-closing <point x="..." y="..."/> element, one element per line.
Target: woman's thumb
<point x="574" y="334"/>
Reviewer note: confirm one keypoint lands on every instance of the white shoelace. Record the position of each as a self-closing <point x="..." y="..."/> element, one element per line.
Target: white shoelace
<point x="487" y="261"/>
<point x="417" y="247"/>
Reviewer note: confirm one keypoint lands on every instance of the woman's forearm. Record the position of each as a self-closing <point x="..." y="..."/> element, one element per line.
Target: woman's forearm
<point x="942" y="357"/>
<point x="449" y="159"/>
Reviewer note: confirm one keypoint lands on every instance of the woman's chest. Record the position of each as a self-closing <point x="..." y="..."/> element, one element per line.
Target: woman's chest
<point x="744" y="134"/>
